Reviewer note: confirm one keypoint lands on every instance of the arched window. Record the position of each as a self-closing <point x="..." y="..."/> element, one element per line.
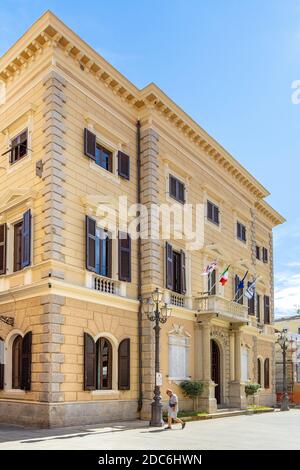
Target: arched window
<point x="16" y="362"/>
<point x="104" y="364"/>
<point x="1" y="364"/>
<point x="259" y="381"/>
<point x="267" y="373"/>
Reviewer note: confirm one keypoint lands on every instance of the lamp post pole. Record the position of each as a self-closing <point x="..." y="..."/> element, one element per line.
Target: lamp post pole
<point x="285" y="398"/>
<point x="156" y="406"/>
<point x="284" y="342"/>
<point x="157" y="314"/>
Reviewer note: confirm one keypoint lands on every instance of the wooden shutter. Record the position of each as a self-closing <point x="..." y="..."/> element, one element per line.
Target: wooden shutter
<point x="258" y="307"/>
<point x="89" y="144"/>
<point x="89" y="362"/>
<point x="183" y="272"/>
<point x="211" y="283"/>
<point x="124" y="257"/>
<point x="26" y="362"/>
<point x="169" y="266"/>
<point x="124" y="364"/>
<point x="26" y="239"/>
<point x="265" y="255"/>
<point x="172" y="186"/>
<point x="266" y="309"/>
<point x="267" y="373"/>
<point x="91" y="239"/>
<point x="180" y="192"/>
<point x="259" y="372"/>
<point x="123" y="165"/>
<point x="209" y="210"/>
<point x="216" y="215"/>
<point x="244" y="233"/>
<point x="3" y="249"/>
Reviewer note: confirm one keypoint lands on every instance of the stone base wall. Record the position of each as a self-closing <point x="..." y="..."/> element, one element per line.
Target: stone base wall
<point x="48" y="415"/>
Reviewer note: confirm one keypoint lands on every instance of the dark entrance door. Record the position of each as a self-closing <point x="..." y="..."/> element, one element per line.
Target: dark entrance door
<point x="215" y="369"/>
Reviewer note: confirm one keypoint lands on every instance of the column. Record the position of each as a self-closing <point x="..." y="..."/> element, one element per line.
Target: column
<point x="232" y="356"/>
<point x="237" y="355"/>
<point x="206" y="352"/>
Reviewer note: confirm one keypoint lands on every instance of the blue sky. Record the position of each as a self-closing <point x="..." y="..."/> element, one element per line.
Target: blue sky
<point x="230" y="65"/>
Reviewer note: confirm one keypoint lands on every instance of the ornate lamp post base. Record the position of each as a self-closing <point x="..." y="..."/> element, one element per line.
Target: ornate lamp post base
<point x="156" y="415"/>
<point x="285" y="403"/>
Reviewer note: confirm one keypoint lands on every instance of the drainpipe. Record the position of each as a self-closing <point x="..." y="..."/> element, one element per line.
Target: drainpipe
<point x="139" y="272"/>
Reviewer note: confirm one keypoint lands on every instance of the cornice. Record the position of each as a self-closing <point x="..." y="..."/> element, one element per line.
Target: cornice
<point x="50" y="31"/>
<point x="269" y="213"/>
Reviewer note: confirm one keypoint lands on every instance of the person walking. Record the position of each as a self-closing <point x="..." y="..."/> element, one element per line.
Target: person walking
<point x="173" y="410"/>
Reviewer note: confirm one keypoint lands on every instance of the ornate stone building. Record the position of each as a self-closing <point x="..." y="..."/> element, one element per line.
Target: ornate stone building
<point x="75" y="344"/>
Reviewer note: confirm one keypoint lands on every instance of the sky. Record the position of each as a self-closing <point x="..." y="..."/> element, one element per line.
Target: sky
<point x="230" y="64"/>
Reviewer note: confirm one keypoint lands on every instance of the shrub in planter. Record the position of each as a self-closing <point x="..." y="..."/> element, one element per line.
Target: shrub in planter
<point x="251" y="389"/>
<point x="192" y="389"/>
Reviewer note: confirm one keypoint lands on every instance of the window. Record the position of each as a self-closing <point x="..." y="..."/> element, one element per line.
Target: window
<point x="267" y="373"/>
<point x="265" y="255"/>
<point x="16" y="362"/>
<point x="104" y="364"/>
<point x="241" y="232"/>
<point x="100" y="367"/>
<point x="19" y="147"/>
<point x="1" y="364"/>
<point x="213" y="213"/>
<point x="18" y="230"/>
<point x="98" y="249"/>
<point x="176" y="189"/>
<point x="103" y="157"/>
<point x="266" y="309"/>
<point x="175" y="270"/>
<point x="211" y="283"/>
<point x="21" y="362"/>
<point x="21" y="245"/>
<point x="258" y="307"/>
<point x="245" y="360"/>
<point x="178" y="356"/>
<point x="259" y="372"/>
<point x="257" y="252"/>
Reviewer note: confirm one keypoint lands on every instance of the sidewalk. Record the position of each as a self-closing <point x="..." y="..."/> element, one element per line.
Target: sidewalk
<point x="263" y="431"/>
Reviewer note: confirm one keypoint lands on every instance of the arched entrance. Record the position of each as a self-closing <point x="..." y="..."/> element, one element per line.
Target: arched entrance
<point x="216" y="369"/>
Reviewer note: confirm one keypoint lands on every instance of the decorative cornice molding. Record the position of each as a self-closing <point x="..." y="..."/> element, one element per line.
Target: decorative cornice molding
<point x="50" y="31"/>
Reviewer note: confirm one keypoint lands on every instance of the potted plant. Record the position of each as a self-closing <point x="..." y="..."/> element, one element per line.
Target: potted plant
<point x="192" y="389"/>
<point x="251" y="389"/>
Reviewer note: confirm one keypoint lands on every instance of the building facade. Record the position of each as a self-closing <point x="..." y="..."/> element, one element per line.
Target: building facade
<point x="78" y="139"/>
<point x="292" y="325"/>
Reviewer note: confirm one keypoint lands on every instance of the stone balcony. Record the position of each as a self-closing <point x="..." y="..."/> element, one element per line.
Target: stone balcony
<point x="223" y="308"/>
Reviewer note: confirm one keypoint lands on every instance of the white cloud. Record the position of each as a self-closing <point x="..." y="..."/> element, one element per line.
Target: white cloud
<point x="287" y="293"/>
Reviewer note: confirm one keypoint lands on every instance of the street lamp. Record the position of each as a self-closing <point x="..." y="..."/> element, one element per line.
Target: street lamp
<point x="158" y="313"/>
<point x="284" y="343"/>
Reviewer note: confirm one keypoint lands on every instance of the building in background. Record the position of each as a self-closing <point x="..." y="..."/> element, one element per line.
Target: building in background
<point x="292" y="324"/>
<point x="75" y="345"/>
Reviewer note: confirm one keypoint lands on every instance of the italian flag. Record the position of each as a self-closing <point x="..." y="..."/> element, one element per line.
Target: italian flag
<point x="224" y="276"/>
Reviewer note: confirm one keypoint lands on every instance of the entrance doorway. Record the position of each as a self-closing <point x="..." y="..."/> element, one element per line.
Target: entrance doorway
<point x="216" y="369"/>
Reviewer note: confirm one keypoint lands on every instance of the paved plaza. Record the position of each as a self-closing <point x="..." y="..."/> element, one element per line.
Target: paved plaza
<point x="263" y="431"/>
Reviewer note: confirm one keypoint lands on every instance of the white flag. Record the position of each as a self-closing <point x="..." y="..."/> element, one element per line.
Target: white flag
<point x="209" y="268"/>
<point x="249" y="293"/>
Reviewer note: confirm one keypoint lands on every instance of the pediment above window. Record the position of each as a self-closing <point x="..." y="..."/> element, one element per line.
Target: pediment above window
<point x="178" y="330"/>
<point x="13" y="197"/>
